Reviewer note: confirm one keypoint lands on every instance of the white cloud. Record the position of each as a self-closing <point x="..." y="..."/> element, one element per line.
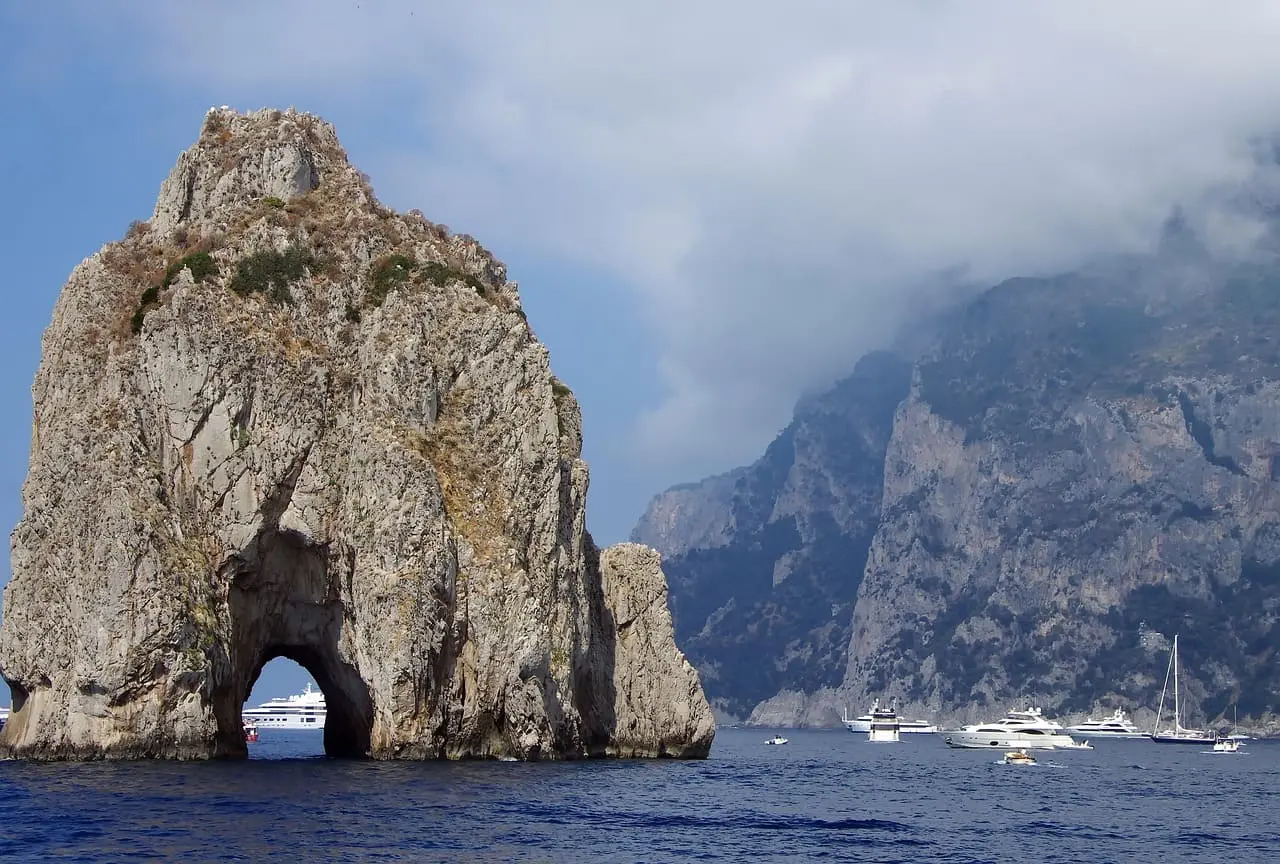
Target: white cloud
<point x="776" y="181"/>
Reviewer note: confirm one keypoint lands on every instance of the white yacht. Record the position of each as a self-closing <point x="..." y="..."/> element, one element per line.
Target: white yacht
<point x="863" y="723"/>
<point x="305" y="710"/>
<point x="884" y="724"/>
<point x="4" y="715"/>
<point x="1017" y="730"/>
<point x="1118" y="725"/>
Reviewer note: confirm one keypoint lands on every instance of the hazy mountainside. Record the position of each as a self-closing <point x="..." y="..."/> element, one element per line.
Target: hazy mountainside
<point x="1081" y="467"/>
<point x="279" y="419"/>
<point x="764" y="562"/>
<point x="1085" y="466"/>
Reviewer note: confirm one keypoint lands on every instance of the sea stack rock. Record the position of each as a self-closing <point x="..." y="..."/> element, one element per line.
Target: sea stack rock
<point x="279" y="419"/>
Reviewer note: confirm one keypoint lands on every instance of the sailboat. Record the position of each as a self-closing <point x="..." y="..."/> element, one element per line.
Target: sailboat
<point x="1177" y="734"/>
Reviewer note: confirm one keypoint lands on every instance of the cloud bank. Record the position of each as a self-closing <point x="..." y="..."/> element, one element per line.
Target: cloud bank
<point x="780" y="184"/>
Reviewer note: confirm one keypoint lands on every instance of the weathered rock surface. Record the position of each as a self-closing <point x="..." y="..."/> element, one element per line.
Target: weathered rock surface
<point x="764" y="562"/>
<point x="335" y="439"/>
<point x="1084" y="467"/>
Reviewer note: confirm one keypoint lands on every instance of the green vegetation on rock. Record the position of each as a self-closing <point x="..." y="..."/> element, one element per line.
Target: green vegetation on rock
<point x="271" y="273"/>
<point x="388" y="273"/>
<point x="201" y="265"/>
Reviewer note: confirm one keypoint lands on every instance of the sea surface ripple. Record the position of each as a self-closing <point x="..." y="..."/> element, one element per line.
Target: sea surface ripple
<point x="828" y="795"/>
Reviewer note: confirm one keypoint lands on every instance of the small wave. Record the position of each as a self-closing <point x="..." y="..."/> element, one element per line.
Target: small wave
<point x="1075" y="832"/>
<point x="1203" y="838"/>
<point x="768" y="823"/>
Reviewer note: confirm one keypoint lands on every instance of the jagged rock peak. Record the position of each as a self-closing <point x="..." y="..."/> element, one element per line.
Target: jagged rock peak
<point x="243" y="158"/>
<point x="282" y="420"/>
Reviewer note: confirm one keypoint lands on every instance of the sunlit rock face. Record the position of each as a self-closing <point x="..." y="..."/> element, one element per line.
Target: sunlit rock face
<point x="281" y="420"/>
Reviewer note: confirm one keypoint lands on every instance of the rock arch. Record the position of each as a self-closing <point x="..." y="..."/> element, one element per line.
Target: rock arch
<point x="390" y="494"/>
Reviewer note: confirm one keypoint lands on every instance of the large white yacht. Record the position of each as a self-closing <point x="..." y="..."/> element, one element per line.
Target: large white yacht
<point x="305" y="710"/>
<point x="1118" y="725"/>
<point x="863" y="723"/>
<point x="1018" y="729"/>
<point x="4" y="715"/>
<point x="884" y="724"/>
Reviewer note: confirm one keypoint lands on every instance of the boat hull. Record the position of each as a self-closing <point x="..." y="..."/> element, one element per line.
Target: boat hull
<point x="276" y="721"/>
<point x="1182" y="739"/>
<point x="1094" y="733"/>
<point x="904" y="726"/>
<point x="1007" y="741"/>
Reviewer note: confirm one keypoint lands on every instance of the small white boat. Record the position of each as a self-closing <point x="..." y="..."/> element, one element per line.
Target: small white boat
<point x="776" y="739"/>
<point x="1225" y="745"/>
<point x="1018" y="757"/>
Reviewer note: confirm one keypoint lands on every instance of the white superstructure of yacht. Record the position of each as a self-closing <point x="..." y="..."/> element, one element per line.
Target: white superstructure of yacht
<point x="884" y="724"/>
<point x="4" y="715"/>
<point x="1018" y="729"/>
<point x="305" y="710"/>
<point x="1118" y="725"/>
<point x="863" y="723"/>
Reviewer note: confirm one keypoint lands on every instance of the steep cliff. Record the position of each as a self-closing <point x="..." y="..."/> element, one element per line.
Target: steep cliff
<point x="279" y="419"/>
<point x="764" y="562"/>
<point x="1086" y="466"/>
<point x="1079" y="468"/>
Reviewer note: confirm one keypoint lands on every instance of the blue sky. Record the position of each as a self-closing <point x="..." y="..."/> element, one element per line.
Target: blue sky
<point x="711" y="208"/>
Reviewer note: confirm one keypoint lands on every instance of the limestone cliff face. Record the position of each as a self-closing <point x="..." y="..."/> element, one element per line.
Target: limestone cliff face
<point x="1085" y="467"/>
<point x="765" y="561"/>
<point x="281" y="420"/>
<point x="1077" y="469"/>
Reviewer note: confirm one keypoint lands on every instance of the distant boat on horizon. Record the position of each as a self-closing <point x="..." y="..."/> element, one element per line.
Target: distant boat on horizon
<point x="1118" y="725"/>
<point x="862" y="724"/>
<point x="305" y="710"/>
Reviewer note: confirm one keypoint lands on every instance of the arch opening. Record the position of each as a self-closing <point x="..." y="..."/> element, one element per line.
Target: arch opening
<point x="339" y="723"/>
<point x="283" y="602"/>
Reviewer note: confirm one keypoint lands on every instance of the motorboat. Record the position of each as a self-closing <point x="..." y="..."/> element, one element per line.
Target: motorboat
<point x="1177" y="734"/>
<point x="884" y="724"/>
<point x="1226" y="745"/>
<point x="776" y="739"/>
<point x="1027" y="729"/>
<point x="305" y="710"/>
<point x="250" y="733"/>
<point x="862" y="724"/>
<point x="1118" y="725"/>
<point x="1018" y="757"/>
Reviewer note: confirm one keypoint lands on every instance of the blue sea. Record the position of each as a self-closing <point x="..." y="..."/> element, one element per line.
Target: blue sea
<point x="825" y="796"/>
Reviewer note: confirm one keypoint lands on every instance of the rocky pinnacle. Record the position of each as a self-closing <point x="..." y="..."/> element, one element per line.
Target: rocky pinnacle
<point x="279" y="419"/>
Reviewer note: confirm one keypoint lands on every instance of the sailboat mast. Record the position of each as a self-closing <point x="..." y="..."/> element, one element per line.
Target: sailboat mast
<point x="1177" y="717"/>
